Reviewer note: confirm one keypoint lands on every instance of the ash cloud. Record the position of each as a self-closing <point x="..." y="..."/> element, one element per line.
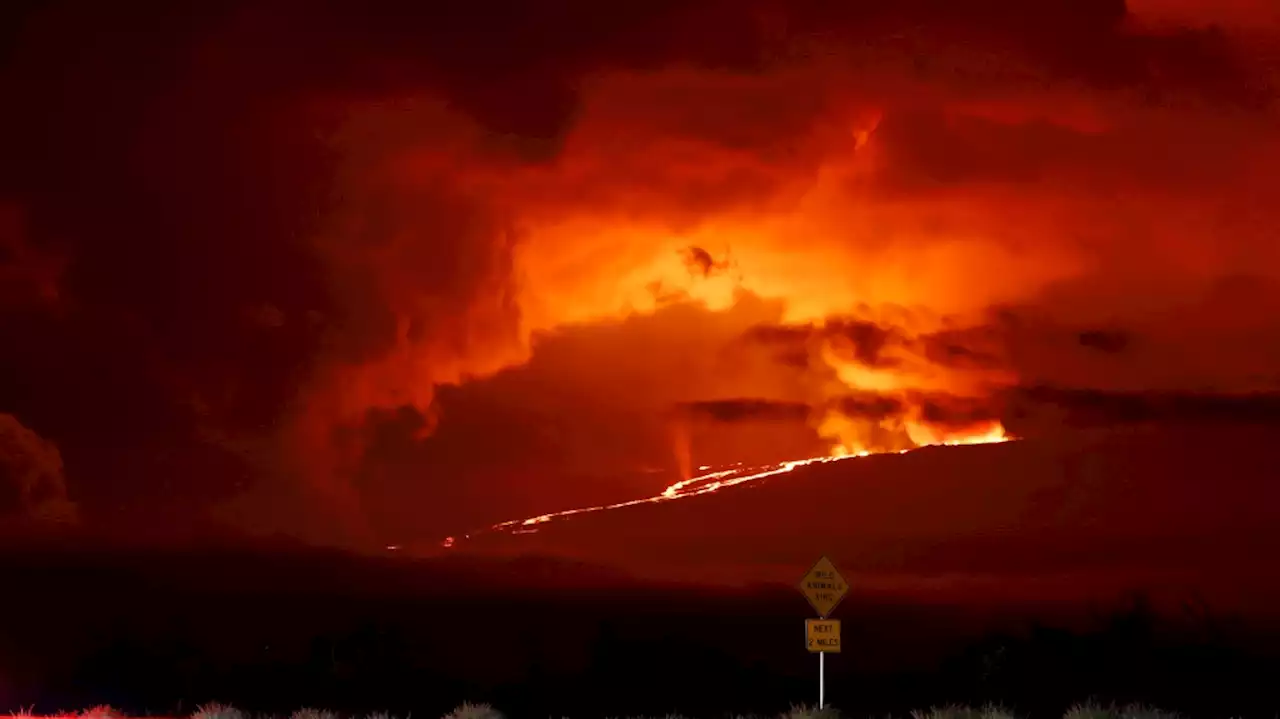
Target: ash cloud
<point x="935" y="408"/>
<point x="1115" y="370"/>
<point x="744" y="410"/>
<point x="869" y="406"/>
<point x="892" y="347"/>
<point x="1100" y="408"/>
<point x="417" y="193"/>
<point x="1109" y="341"/>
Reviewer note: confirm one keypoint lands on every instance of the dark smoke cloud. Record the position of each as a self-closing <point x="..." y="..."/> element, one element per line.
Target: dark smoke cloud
<point x="1073" y="407"/>
<point x="885" y="345"/>
<point x="957" y="411"/>
<point x="1099" y="408"/>
<point x="701" y="263"/>
<point x="1016" y="346"/>
<point x="1110" y="341"/>
<point x="218" y="201"/>
<point x="870" y="406"/>
<point x="1221" y="341"/>
<point x="935" y="408"/>
<point x="863" y="341"/>
<point x="745" y="410"/>
<point x="976" y="349"/>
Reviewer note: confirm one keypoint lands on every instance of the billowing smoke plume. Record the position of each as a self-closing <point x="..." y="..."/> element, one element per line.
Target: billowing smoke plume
<point x="892" y="221"/>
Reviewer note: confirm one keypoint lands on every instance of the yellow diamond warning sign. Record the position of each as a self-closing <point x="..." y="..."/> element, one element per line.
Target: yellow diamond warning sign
<point x="822" y="635"/>
<point x="824" y="587"/>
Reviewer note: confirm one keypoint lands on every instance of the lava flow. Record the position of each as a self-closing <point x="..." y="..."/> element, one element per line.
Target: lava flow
<point x="719" y="479"/>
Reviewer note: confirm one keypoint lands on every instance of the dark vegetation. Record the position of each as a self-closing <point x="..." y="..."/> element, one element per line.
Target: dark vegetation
<point x="162" y="632"/>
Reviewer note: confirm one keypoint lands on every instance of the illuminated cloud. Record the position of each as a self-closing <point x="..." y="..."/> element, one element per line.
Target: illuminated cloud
<point x="305" y="227"/>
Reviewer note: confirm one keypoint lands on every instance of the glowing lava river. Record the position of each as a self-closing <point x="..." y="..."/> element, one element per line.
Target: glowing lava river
<point x="712" y="481"/>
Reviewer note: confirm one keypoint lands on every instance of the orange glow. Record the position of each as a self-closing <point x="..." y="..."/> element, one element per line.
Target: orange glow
<point x="721" y="479"/>
<point x="366" y="280"/>
<point x="920" y="208"/>
<point x="611" y="230"/>
<point x="924" y="434"/>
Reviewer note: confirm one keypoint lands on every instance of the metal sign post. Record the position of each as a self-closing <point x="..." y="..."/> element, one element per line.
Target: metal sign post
<point x="822" y="636"/>
<point x="824" y="588"/>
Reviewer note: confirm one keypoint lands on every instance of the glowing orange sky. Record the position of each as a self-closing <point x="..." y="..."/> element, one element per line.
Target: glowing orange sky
<point x="845" y="186"/>
<point x="418" y="281"/>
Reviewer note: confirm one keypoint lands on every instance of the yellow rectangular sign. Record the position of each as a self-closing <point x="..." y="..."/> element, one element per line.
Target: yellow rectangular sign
<point x="822" y="635"/>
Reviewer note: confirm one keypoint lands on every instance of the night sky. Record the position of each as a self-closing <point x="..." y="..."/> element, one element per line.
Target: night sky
<point x="372" y="273"/>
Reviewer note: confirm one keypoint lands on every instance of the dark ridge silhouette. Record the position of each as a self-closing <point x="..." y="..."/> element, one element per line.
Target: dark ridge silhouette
<point x="163" y="631"/>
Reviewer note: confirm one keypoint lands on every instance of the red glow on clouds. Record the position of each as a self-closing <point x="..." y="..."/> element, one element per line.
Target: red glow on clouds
<point x="427" y="284"/>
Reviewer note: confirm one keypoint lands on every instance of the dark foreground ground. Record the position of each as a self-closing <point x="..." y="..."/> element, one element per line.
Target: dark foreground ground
<point x="160" y="633"/>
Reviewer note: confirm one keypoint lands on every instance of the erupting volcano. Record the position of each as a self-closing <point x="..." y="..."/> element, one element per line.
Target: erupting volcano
<point x="716" y="480"/>
<point x="435" y="302"/>
<point x="429" y="284"/>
